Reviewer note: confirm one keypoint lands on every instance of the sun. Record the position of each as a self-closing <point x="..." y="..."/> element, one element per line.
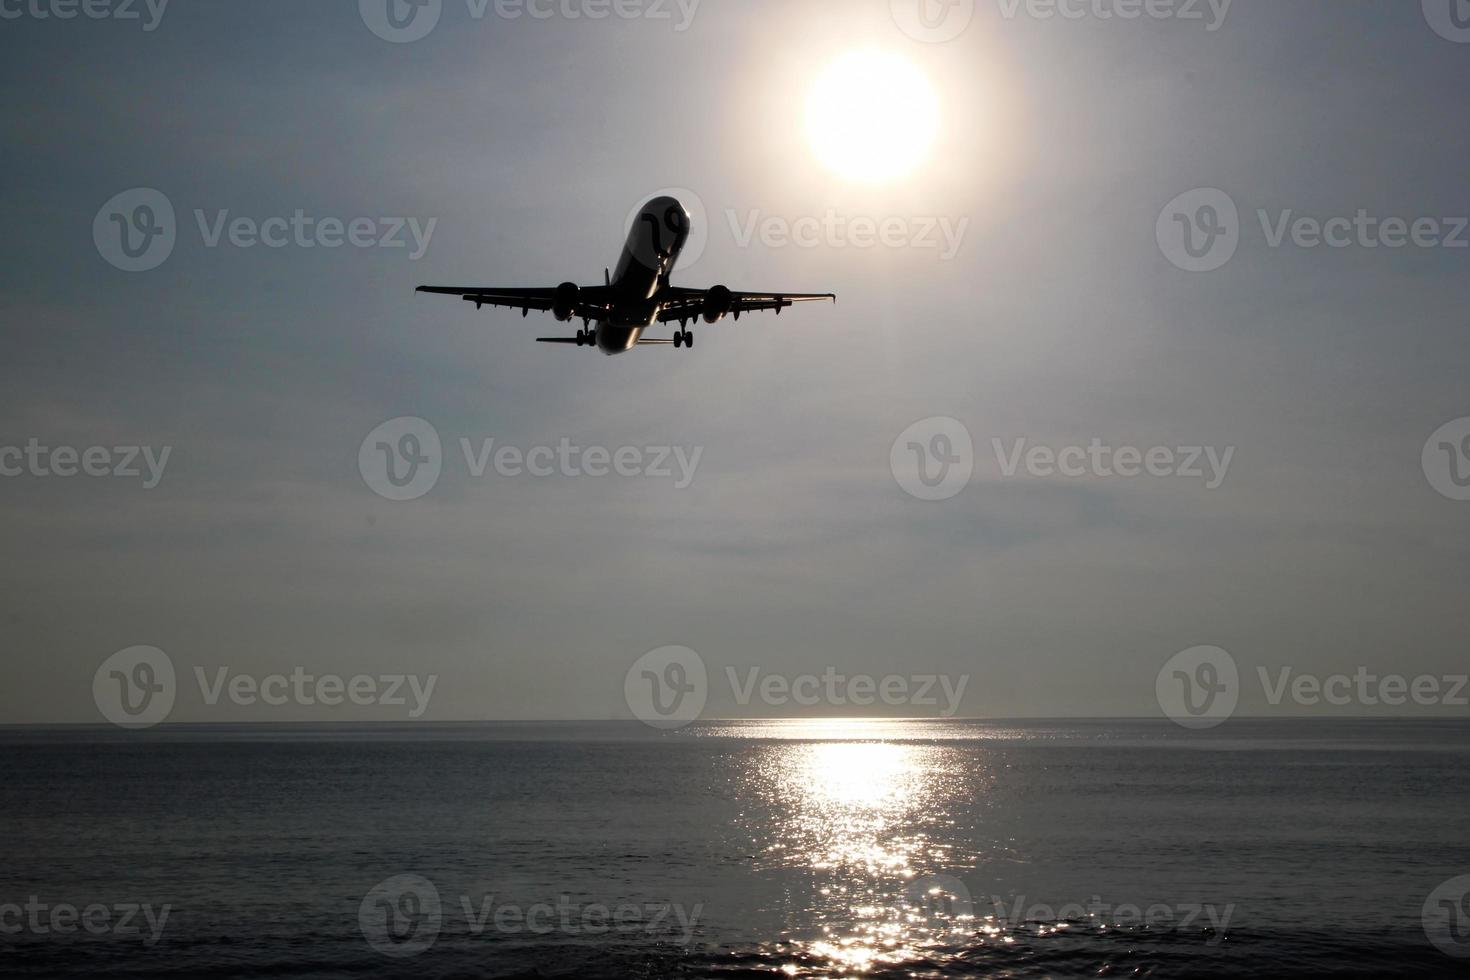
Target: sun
<point x="872" y="116"/>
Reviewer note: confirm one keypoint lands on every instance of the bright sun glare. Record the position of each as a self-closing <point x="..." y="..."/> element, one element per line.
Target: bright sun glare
<point x="872" y="116"/>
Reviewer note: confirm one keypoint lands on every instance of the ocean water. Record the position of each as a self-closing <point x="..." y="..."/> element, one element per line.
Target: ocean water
<point x="807" y="849"/>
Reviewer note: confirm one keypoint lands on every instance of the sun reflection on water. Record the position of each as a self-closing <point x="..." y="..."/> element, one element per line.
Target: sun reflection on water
<point x="853" y="819"/>
<point x="852" y="800"/>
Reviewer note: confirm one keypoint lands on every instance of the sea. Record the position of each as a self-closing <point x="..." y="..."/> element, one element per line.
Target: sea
<point x="826" y="848"/>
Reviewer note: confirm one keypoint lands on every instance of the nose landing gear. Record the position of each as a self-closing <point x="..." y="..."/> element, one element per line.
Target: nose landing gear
<point x="684" y="338"/>
<point x="586" y="338"/>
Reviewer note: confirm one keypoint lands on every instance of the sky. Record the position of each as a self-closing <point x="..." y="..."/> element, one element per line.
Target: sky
<point x="1058" y="313"/>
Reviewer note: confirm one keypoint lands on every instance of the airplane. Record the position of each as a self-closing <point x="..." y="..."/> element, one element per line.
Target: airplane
<point x="636" y="296"/>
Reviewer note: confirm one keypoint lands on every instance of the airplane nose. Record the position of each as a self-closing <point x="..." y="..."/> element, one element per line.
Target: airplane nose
<point x="668" y="212"/>
<point x="613" y="342"/>
<point x="660" y="206"/>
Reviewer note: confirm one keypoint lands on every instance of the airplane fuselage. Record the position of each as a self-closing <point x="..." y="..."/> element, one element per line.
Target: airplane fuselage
<point x="658" y="235"/>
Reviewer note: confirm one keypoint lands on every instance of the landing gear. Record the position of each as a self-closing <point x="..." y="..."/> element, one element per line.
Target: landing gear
<point x="684" y="338"/>
<point x="586" y="338"/>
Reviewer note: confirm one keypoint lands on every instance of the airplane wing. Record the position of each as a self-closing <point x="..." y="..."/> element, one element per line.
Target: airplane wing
<point x="688" y="303"/>
<point x="591" y="300"/>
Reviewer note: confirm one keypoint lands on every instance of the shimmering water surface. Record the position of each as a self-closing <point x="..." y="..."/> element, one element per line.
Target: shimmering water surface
<point x="762" y="848"/>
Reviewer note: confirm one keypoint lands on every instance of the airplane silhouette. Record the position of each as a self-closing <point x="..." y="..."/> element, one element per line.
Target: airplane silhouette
<point x="636" y="296"/>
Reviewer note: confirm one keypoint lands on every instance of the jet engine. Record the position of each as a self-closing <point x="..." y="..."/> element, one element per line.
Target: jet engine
<point x="564" y="303"/>
<point x="717" y="302"/>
